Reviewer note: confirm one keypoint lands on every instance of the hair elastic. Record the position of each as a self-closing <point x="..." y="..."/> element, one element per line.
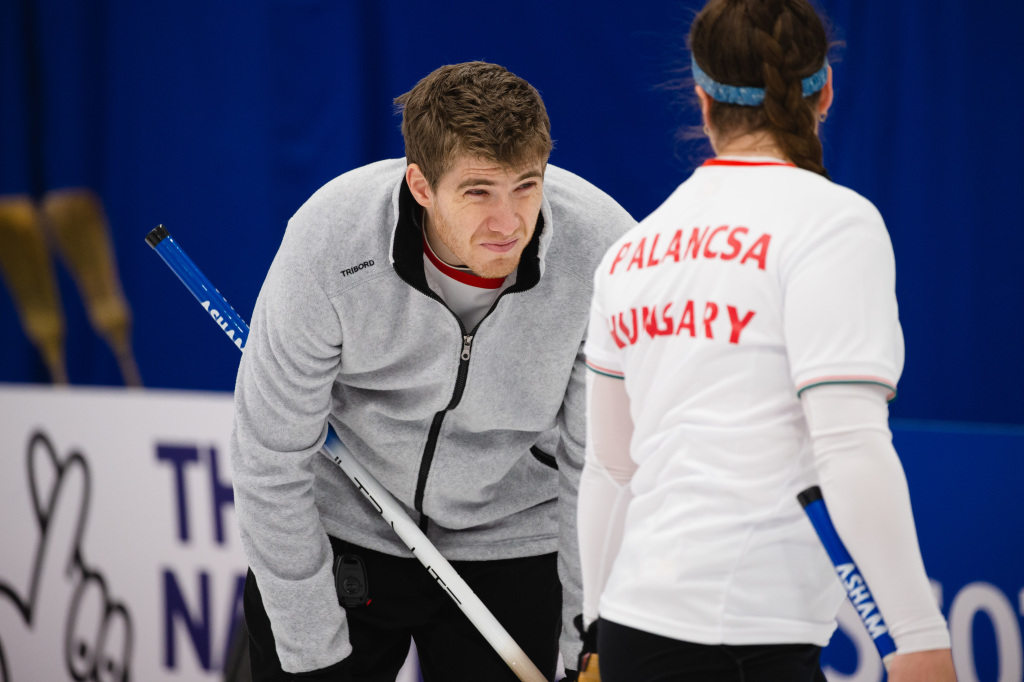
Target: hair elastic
<point x="748" y="96"/>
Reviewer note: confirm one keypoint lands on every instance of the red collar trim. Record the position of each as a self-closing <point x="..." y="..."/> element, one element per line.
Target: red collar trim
<point x="463" y="276"/>
<point x="736" y="162"/>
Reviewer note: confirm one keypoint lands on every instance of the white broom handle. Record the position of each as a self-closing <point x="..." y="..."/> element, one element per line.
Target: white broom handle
<point x="436" y="565"/>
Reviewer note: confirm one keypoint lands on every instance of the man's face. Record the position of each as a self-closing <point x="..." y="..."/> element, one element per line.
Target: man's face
<point x="483" y="214"/>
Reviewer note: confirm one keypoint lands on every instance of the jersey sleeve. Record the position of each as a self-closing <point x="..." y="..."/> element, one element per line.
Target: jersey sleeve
<point x="839" y="304"/>
<point x="602" y="351"/>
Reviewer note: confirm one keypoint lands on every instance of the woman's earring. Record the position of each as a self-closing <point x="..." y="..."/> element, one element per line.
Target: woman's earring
<point x="707" y="131"/>
<point x="822" y="116"/>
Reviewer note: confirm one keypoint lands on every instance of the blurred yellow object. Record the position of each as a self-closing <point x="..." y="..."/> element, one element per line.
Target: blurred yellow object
<point x="82" y="237"/>
<point x="590" y="672"/>
<point x="28" y="270"/>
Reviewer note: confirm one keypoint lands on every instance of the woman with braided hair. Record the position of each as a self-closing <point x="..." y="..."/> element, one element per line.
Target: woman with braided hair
<point x="744" y="341"/>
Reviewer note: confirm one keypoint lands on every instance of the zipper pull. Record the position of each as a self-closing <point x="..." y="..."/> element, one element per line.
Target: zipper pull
<point x="467" y="341"/>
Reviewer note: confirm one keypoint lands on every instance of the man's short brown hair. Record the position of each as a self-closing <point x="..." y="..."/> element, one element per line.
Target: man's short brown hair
<point x="475" y="109"/>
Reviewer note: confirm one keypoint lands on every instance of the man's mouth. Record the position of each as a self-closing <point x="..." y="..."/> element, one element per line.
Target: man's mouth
<point x="501" y="247"/>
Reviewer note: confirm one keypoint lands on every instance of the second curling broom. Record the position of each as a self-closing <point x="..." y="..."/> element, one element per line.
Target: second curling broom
<point x="849" y="575"/>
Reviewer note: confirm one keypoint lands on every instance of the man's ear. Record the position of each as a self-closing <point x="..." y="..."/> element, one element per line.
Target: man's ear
<point x="419" y="186"/>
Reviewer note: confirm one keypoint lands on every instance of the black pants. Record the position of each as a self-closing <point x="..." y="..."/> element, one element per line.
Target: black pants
<point x="629" y="655"/>
<point x="523" y="594"/>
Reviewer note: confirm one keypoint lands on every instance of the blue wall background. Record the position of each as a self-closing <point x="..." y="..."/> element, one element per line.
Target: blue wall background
<point x="218" y="120"/>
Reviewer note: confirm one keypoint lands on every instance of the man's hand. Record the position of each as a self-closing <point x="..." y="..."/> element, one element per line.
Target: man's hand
<point x="923" y="666"/>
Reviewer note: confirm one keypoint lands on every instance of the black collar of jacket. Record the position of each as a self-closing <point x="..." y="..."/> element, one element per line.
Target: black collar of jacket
<point x="408" y="249"/>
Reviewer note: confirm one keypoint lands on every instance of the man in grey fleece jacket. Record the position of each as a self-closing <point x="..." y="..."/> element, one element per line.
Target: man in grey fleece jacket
<point x="433" y="310"/>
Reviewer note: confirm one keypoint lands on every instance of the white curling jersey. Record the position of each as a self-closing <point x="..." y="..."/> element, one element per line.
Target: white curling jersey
<point x="754" y="281"/>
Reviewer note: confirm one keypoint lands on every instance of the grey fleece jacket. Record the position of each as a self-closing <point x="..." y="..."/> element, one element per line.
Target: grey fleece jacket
<point x="347" y="331"/>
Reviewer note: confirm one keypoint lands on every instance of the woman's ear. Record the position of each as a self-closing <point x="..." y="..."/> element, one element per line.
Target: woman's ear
<point x="705" y="107"/>
<point x="825" y="101"/>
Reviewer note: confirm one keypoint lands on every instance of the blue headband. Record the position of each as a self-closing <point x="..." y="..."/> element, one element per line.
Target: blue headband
<point x="751" y="97"/>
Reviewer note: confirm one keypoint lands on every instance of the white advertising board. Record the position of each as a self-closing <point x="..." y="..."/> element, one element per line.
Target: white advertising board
<point x="119" y="551"/>
<point x="119" y="554"/>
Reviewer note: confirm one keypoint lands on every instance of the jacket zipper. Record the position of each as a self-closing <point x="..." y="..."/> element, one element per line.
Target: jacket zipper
<point x="435" y="424"/>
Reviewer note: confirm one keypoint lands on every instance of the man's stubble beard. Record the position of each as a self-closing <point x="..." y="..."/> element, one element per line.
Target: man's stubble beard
<point x="497" y="268"/>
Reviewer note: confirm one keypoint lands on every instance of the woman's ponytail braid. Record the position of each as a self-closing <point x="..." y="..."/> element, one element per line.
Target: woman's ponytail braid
<point x="781" y="37"/>
<point x="773" y="44"/>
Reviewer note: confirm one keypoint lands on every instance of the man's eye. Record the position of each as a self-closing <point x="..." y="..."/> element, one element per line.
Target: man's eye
<point x="477" y="192"/>
<point x="527" y="185"/>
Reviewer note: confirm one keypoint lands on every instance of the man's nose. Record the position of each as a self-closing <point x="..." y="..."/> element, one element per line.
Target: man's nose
<point x="505" y="218"/>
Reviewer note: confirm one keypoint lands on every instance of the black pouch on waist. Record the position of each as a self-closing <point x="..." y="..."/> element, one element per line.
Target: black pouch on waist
<point x="350" y="581"/>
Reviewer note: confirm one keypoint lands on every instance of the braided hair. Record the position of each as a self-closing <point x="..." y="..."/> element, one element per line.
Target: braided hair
<point x="770" y="44"/>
